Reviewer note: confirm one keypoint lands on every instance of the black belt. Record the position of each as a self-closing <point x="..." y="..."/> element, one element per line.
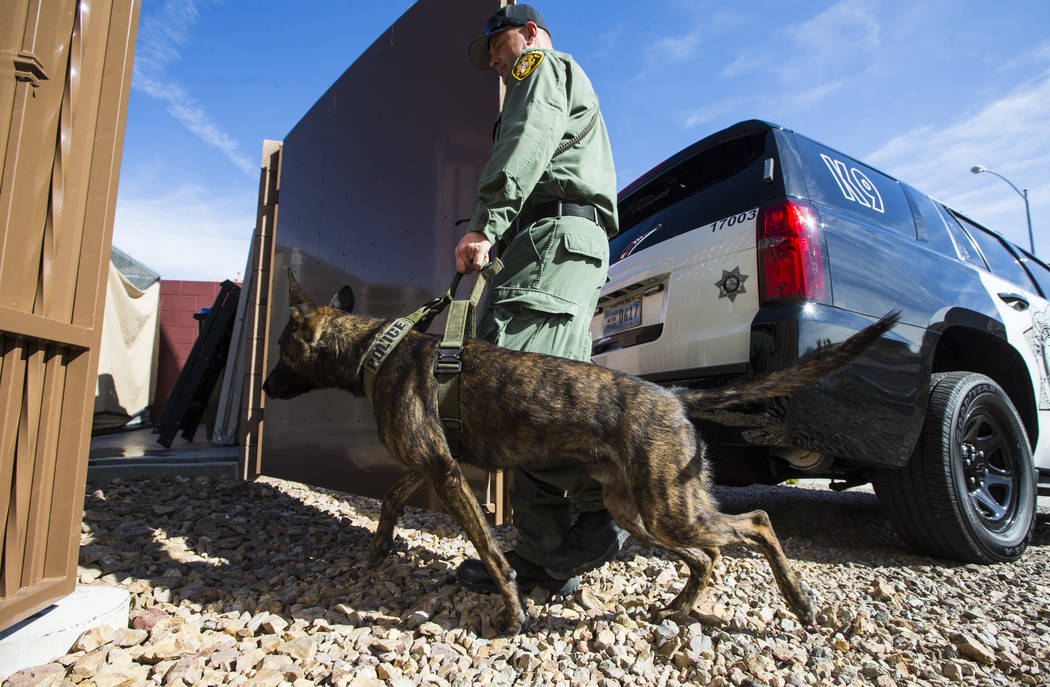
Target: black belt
<point x="560" y="208"/>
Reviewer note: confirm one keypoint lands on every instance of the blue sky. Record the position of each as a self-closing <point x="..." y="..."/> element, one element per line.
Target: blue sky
<point x="921" y="90"/>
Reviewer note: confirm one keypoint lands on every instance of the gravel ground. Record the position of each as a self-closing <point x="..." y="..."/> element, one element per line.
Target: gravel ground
<point x="263" y="583"/>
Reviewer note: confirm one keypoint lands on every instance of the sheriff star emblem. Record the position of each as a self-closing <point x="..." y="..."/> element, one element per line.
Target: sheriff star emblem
<point x="526" y="64"/>
<point x="731" y="284"/>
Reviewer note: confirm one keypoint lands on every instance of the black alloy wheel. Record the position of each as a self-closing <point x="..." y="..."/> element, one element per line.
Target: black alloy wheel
<point x="990" y="470"/>
<point x="969" y="491"/>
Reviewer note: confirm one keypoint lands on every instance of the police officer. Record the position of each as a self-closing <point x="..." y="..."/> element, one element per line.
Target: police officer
<point x="548" y="194"/>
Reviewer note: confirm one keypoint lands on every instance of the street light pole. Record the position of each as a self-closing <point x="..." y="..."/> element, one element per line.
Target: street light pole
<point x="1024" y="194"/>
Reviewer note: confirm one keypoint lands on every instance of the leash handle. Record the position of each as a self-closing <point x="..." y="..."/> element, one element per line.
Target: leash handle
<point x="423" y="317"/>
<point x="470" y="306"/>
<point x="461" y="323"/>
<point x="484" y="277"/>
<point x="486" y="273"/>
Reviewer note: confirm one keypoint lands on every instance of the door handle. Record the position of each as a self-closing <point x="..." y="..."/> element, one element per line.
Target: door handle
<point x="1014" y="300"/>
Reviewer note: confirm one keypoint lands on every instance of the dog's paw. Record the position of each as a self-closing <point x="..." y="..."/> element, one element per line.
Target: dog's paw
<point x="670" y="613"/>
<point x="803" y="606"/>
<point x="511" y="623"/>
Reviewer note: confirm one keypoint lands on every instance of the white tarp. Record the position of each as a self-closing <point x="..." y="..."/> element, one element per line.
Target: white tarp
<point x="127" y="365"/>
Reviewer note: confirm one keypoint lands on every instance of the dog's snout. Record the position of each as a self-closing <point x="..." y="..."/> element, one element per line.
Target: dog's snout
<point x="283" y="383"/>
<point x="276" y="384"/>
<point x="270" y="387"/>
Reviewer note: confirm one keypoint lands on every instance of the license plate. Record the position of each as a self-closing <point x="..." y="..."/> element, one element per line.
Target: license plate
<point x="623" y="315"/>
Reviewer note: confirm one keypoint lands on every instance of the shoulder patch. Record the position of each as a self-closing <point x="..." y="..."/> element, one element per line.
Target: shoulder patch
<point x="526" y="64"/>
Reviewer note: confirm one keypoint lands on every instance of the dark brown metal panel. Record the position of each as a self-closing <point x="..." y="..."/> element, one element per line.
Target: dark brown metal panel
<point x="373" y="179"/>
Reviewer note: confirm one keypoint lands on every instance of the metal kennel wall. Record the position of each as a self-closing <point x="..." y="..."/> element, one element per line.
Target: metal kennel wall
<point x="65" y="71"/>
<point x="366" y="190"/>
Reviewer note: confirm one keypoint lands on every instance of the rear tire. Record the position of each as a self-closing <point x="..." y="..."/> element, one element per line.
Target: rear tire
<point x="969" y="490"/>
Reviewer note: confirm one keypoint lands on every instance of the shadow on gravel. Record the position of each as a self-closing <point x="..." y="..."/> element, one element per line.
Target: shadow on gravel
<point x="824" y="526"/>
<point x="231" y="546"/>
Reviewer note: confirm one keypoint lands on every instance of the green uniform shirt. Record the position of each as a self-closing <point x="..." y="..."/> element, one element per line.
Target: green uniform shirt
<point x="548" y="100"/>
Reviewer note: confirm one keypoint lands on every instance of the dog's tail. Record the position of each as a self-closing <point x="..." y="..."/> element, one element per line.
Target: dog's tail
<point x="787" y="380"/>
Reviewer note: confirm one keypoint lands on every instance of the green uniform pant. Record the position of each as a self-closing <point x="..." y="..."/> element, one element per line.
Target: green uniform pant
<point x="543" y="302"/>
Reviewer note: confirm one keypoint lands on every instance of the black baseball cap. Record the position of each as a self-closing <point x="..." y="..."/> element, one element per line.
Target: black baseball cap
<point x="507" y="18"/>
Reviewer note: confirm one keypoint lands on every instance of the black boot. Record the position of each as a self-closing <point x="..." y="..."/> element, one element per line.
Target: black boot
<point x="473" y="575"/>
<point x="592" y="541"/>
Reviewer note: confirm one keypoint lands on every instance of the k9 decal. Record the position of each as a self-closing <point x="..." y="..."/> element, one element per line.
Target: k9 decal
<point x="854" y="184"/>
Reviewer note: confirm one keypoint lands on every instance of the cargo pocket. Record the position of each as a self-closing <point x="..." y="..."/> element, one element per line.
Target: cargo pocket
<point x="593" y="249"/>
<point x="525" y="324"/>
<point x="546" y="306"/>
<point x="576" y="266"/>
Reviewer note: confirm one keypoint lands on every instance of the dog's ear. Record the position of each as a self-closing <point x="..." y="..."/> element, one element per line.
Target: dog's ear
<point x="344" y="300"/>
<point x="297" y="298"/>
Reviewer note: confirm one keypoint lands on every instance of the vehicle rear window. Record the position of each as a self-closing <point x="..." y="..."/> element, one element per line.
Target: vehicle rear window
<point x="1001" y="260"/>
<point x="715" y="183"/>
<point x="854" y="188"/>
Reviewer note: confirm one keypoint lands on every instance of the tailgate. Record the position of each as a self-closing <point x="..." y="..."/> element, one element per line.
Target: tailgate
<point x="683" y="304"/>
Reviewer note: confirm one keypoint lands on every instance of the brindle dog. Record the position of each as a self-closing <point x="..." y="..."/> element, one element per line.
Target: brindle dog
<point x="523" y="409"/>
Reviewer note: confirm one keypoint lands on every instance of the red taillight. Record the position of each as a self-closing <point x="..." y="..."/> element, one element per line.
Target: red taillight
<point x="790" y="253"/>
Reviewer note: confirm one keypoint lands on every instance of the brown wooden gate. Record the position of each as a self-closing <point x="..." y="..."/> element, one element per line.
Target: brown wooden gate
<point x="65" y="72"/>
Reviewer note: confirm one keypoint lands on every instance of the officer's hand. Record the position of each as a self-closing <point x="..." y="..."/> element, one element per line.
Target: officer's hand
<point x="472" y="253"/>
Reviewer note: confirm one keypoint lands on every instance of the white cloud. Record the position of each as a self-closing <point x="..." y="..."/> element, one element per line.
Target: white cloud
<point x="160" y="39"/>
<point x="744" y="62"/>
<point x="674" y="49"/>
<point x="814" y="59"/>
<point x="1039" y="55"/>
<point x="699" y="26"/>
<point x="849" y="22"/>
<point x="831" y="42"/>
<point x="800" y="98"/>
<point x="1008" y="135"/>
<point x="716" y="112"/>
<point x="189" y="232"/>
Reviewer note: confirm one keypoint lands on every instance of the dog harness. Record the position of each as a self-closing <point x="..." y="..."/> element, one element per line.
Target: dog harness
<point x="460" y="325"/>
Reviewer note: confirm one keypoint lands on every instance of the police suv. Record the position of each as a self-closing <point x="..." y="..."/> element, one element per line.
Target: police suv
<point x="756" y="246"/>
